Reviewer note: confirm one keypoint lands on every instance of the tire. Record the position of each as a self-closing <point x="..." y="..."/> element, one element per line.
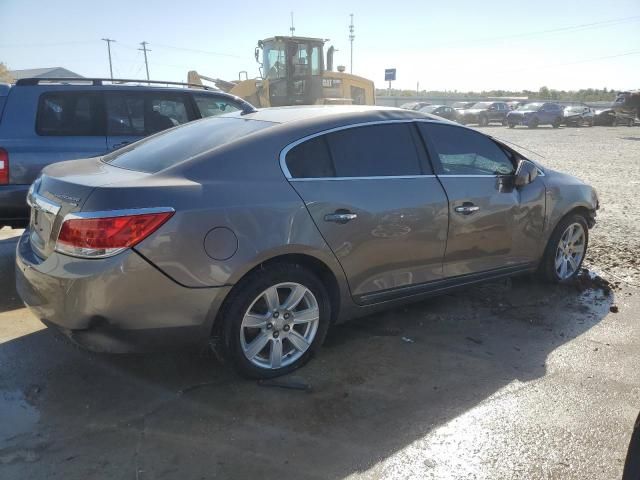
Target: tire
<point x="512" y="125"/>
<point x="556" y="123"/>
<point x="533" y="123"/>
<point x="504" y="122"/>
<point x="247" y="318"/>
<point x="483" y="121"/>
<point x="551" y="266"/>
<point x="631" y="122"/>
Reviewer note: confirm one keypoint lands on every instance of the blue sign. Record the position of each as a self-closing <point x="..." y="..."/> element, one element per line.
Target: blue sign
<point x="389" y="74"/>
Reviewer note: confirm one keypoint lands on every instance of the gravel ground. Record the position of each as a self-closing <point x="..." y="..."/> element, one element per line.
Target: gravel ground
<point x="609" y="159"/>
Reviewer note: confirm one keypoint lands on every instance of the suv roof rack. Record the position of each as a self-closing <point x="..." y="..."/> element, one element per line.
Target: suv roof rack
<point x="99" y="82"/>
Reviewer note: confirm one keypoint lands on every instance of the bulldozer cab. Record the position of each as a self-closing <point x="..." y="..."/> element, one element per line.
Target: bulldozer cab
<point x="293" y="69"/>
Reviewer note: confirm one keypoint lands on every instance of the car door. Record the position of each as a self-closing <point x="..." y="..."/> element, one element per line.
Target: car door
<point x="132" y="115"/>
<point x="491" y="227"/>
<point x="376" y="202"/>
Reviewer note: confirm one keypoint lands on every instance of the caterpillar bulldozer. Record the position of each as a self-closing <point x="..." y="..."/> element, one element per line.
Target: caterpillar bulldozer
<point x="293" y="72"/>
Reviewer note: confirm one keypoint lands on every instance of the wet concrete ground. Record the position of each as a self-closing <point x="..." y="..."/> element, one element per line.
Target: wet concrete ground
<point x="510" y="380"/>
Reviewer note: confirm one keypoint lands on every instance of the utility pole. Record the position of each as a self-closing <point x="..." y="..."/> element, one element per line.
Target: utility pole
<point x="145" y="50"/>
<point x="109" y="40"/>
<point x="292" y="29"/>
<point x="351" y="38"/>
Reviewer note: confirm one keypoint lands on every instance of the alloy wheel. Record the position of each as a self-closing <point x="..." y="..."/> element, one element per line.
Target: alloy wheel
<point x="570" y="251"/>
<point x="280" y="325"/>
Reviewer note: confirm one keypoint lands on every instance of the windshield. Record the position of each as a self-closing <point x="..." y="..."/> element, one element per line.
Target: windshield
<point x="178" y="144"/>
<point x="482" y="105"/>
<point x="530" y="107"/>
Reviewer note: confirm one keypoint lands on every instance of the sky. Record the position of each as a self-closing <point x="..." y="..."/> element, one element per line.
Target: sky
<point x="444" y="45"/>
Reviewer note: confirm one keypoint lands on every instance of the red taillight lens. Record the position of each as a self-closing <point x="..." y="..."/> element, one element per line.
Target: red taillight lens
<point x="4" y="167"/>
<point x="106" y="236"/>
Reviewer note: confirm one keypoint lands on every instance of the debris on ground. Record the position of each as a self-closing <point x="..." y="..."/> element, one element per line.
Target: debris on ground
<point x="286" y="383"/>
<point x="408" y="340"/>
<point x="589" y="280"/>
<point x="613" y="309"/>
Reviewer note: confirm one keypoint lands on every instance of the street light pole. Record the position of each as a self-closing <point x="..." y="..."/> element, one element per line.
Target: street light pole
<point x="109" y="40"/>
<point x="145" y="50"/>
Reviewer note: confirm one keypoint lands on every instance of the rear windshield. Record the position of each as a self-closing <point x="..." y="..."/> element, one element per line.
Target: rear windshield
<point x="176" y="145"/>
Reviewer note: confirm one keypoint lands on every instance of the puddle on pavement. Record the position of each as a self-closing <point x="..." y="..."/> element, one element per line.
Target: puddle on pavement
<point x="18" y="415"/>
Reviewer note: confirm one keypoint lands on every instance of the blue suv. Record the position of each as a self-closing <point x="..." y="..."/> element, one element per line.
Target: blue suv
<point x="536" y="113"/>
<point x="43" y="121"/>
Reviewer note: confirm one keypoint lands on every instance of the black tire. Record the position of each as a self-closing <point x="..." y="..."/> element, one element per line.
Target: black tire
<point x="483" y="121"/>
<point x="556" y="123"/>
<point x="547" y="265"/>
<point x="504" y="122"/>
<point x="243" y="296"/>
<point x="512" y="125"/>
<point x="533" y="123"/>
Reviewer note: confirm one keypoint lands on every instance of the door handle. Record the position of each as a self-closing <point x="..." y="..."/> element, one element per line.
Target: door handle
<point x="340" y="216"/>
<point x="467" y="209"/>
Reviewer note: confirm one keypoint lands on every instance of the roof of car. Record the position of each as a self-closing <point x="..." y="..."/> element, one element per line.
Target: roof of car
<point x="362" y="113"/>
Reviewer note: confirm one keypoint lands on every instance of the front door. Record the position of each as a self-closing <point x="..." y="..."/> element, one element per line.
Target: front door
<point x="377" y="204"/>
<point x="490" y="227"/>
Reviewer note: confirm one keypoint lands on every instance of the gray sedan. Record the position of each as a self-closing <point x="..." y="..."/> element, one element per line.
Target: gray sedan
<point x="260" y="230"/>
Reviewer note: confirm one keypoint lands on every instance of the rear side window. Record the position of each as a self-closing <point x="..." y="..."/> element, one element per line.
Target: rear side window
<point x="141" y="114"/>
<point x="162" y="151"/>
<point x="69" y="114"/>
<point x="311" y="159"/>
<point x="374" y="151"/>
<point x="465" y="152"/>
<point x="210" y="105"/>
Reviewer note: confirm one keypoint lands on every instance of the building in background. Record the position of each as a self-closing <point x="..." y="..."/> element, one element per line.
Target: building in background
<point x="52" y="72"/>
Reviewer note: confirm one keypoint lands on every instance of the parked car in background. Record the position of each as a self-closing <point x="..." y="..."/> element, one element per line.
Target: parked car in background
<point x="178" y="228"/>
<point x="462" y="105"/>
<point x="49" y="120"/>
<point x="578" y="116"/>
<point x="484" y="113"/>
<point x="604" y="116"/>
<point x="514" y="104"/>
<point x="414" y="105"/>
<point x="443" y="111"/>
<point x="627" y="107"/>
<point x="534" y="114"/>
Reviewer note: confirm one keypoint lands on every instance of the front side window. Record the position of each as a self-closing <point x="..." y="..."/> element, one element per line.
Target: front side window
<point x="69" y="114"/>
<point x="465" y="152"/>
<point x="125" y="114"/>
<point x="210" y="105"/>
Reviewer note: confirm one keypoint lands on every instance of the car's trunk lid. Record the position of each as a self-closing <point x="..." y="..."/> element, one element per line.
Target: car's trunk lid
<point x="63" y="188"/>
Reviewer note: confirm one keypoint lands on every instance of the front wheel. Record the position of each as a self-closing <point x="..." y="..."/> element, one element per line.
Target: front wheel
<point x="556" y="123"/>
<point x="512" y="125"/>
<point x="504" y="122"/>
<point x="566" y="249"/>
<point x="483" y="121"/>
<point x="275" y="321"/>
<point x="533" y="123"/>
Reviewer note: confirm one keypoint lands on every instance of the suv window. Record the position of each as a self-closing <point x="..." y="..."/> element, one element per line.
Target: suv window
<point x="311" y="159"/>
<point x="69" y="114"/>
<point x="210" y="105"/>
<point x="374" y="151"/>
<point x="144" y="113"/>
<point x="465" y="152"/>
<point x="154" y="154"/>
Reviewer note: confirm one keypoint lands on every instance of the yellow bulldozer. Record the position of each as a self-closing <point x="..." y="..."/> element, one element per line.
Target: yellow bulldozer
<point x="293" y="72"/>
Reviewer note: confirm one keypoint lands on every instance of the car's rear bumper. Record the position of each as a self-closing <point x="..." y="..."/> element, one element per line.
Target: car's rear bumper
<point x="116" y="304"/>
<point x="14" y="210"/>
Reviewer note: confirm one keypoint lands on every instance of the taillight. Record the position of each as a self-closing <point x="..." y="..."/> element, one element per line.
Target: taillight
<point x="4" y="167"/>
<point x="107" y="234"/>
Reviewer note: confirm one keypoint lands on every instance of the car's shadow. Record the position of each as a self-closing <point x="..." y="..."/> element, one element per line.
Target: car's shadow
<point x="379" y="384"/>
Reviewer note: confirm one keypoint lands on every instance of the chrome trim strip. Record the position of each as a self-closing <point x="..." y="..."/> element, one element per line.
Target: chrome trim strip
<point x="43" y="204"/>
<point x="399" y="177"/>
<point x="116" y="213"/>
<point x="285" y="150"/>
<point x="471" y="176"/>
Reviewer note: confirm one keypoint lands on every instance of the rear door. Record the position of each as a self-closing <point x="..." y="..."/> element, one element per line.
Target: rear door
<point x="490" y="227"/>
<point x="132" y="115"/>
<point x="69" y="125"/>
<point x="374" y="198"/>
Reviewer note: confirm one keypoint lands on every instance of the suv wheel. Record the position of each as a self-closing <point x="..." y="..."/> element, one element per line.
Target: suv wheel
<point x="483" y="121"/>
<point x="533" y="123"/>
<point x="512" y="125"/>
<point x="566" y="249"/>
<point x="275" y="321"/>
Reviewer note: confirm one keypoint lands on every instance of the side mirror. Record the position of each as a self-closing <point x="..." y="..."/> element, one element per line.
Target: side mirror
<point x="525" y="173"/>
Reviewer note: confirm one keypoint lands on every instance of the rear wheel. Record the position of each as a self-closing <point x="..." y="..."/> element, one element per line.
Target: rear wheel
<point x="533" y="123"/>
<point x="566" y="249"/>
<point x="275" y="321"/>
<point x="556" y="123"/>
<point x="483" y="121"/>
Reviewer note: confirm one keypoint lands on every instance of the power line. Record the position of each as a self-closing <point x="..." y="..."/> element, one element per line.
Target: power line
<point x="109" y="40"/>
<point x="195" y="50"/>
